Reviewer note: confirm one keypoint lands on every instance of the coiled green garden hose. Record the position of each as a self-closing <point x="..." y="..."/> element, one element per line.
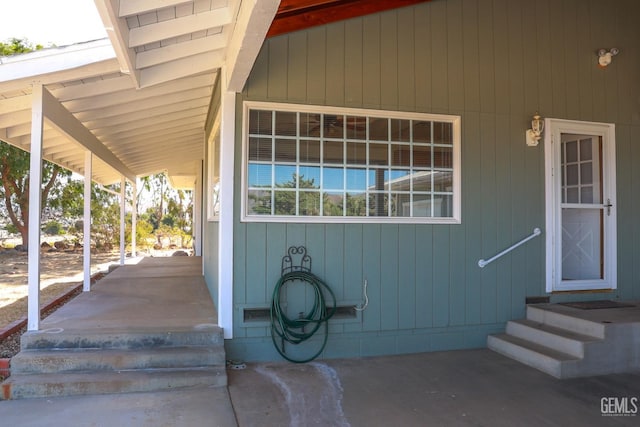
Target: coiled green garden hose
<point x="301" y="329"/>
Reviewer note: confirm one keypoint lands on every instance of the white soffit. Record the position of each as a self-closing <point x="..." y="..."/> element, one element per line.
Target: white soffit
<point x="144" y="93"/>
<point x="131" y="131"/>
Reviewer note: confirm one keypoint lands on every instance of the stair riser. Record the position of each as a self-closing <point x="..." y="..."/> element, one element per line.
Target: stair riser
<point x="547" y="339"/>
<point x="62" y="340"/>
<point x="558" y="320"/>
<point x="124" y="385"/>
<point x="526" y="356"/>
<point x="68" y="361"/>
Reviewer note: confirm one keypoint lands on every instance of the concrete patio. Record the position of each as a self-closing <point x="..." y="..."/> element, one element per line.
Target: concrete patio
<point x="457" y="388"/>
<point x="471" y="387"/>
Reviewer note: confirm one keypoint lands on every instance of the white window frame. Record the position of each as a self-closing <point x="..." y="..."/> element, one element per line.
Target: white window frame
<point x="213" y="172"/>
<point x="457" y="165"/>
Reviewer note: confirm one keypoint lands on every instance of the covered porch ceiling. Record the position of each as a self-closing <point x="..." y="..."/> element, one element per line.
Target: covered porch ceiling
<point x="144" y="94"/>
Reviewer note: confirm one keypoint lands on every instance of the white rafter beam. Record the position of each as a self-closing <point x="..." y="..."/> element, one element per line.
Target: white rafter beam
<point x="202" y="83"/>
<point x="142" y="119"/>
<point x="254" y="20"/>
<point x="181" y="50"/>
<point x="118" y="33"/>
<point x="60" y="118"/>
<point x="17" y="103"/>
<point x="97" y="88"/>
<point x="181" y="68"/>
<point x="138" y="7"/>
<point x="178" y="27"/>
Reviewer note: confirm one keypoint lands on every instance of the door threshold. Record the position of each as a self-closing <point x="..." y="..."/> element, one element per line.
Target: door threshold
<point x="585" y="291"/>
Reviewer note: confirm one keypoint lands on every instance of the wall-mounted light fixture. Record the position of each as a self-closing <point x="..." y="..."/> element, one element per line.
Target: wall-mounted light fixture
<point x="605" y="57"/>
<point x="534" y="134"/>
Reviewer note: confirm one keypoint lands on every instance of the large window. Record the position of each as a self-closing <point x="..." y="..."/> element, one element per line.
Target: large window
<point x="323" y="164"/>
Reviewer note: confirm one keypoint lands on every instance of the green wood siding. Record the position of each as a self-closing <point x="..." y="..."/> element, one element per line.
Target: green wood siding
<point x="494" y="63"/>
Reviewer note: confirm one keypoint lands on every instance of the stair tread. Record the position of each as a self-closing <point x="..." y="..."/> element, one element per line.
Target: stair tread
<point x="537" y="348"/>
<point x="565" y="333"/>
<point x="24" y="386"/>
<point x="65" y="352"/>
<point x="123" y="374"/>
<point x="76" y="360"/>
<point x="103" y="339"/>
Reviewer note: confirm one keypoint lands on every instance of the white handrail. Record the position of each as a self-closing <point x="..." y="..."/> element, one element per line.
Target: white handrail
<point x="536" y="232"/>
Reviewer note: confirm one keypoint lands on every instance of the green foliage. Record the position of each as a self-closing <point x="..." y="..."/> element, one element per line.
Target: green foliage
<point x="168" y="220"/>
<point x="105" y="213"/>
<point x="144" y="233"/>
<point x="16" y="46"/>
<point x="308" y="202"/>
<point x="53" y="228"/>
<point x="14" y="186"/>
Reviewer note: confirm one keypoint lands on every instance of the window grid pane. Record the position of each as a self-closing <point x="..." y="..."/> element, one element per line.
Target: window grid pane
<point x="337" y="165"/>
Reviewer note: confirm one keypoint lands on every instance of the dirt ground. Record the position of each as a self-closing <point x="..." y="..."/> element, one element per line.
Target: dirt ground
<point x="59" y="272"/>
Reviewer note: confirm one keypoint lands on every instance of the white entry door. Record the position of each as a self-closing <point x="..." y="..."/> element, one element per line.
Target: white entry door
<point x="580" y="210"/>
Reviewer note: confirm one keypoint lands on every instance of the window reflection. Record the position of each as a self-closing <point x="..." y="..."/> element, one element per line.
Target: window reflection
<point x="285" y="150"/>
<point x="378" y="129"/>
<point x="310" y="125"/>
<point x="260" y="149"/>
<point x="333" y="152"/>
<point x="356" y="179"/>
<point x="333" y="203"/>
<point x="309" y="151"/>
<point x="260" y="122"/>
<point x="333" y="179"/>
<point x="338" y="165"/>
<point x="286" y="123"/>
<point x="309" y="177"/>
<point x="259" y="175"/>
<point x="356" y="127"/>
<point x="378" y="154"/>
<point x="285" y="176"/>
<point x="356" y="153"/>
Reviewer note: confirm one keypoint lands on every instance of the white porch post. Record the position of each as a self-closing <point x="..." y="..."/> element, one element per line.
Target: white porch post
<point x="123" y="184"/>
<point x="134" y="217"/>
<point x="225" y="235"/>
<point x="86" y="249"/>
<point x="198" y="213"/>
<point x="35" y="204"/>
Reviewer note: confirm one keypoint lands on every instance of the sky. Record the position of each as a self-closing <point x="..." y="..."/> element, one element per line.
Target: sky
<point x="50" y="22"/>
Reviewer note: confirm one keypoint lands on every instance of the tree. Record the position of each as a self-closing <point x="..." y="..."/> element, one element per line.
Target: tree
<point x="14" y="188"/>
<point x="105" y="211"/>
<point x="14" y="165"/>
<point x="169" y="211"/>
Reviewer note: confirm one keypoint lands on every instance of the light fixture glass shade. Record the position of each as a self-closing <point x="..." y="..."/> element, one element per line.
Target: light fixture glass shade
<point x="537" y="125"/>
<point x="534" y="134"/>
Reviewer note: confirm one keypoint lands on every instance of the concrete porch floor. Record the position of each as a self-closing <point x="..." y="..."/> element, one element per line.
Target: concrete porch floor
<point x="456" y="388"/>
<point x="470" y="387"/>
<point x="169" y="292"/>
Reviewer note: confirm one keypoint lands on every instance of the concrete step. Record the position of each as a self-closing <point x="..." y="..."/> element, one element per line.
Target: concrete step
<point x="125" y="381"/>
<point x="206" y="335"/>
<point x="52" y="361"/>
<point x="545" y="335"/>
<point x="537" y="356"/>
<point x="554" y="317"/>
